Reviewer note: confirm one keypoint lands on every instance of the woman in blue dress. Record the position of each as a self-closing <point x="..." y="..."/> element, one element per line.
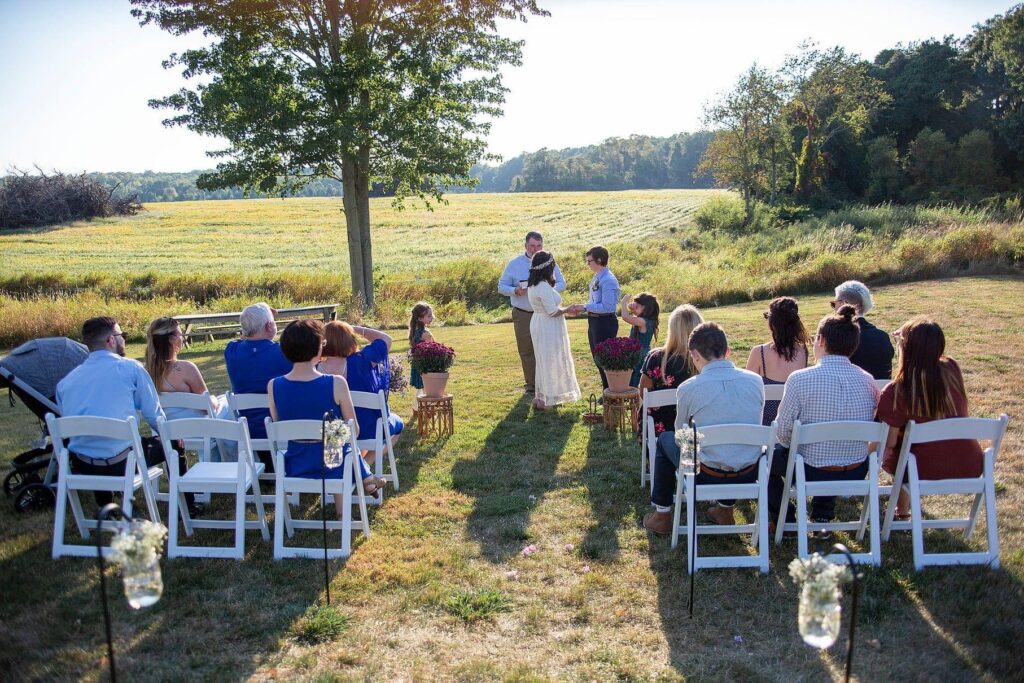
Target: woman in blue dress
<point x="306" y="394"/>
<point x="364" y="369"/>
<point x="641" y="313"/>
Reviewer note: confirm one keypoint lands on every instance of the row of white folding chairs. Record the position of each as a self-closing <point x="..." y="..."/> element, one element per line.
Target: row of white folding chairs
<point x="239" y="478"/>
<point x="379" y="442"/>
<point x="873" y="435"/>
<point x="659" y="398"/>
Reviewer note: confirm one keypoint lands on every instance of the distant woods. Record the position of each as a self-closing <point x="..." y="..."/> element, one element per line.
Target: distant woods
<point x="28" y="200"/>
<point x="935" y="121"/>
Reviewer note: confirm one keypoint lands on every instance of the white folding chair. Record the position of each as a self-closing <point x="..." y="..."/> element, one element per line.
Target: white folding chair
<point x="867" y="489"/>
<point x="882" y="383"/>
<point x="137" y="476"/>
<point x="983" y="489"/>
<point x="379" y="441"/>
<point x="773" y="392"/>
<point x="688" y="493"/>
<point x="202" y="403"/>
<point x="649" y="440"/>
<point x="240" y="402"/>
<point x="238" y="478"/>
<point x="351" y="483"/>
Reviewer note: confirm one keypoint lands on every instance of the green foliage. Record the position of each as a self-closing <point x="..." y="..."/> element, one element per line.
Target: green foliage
<point x="320" y="624"/>
<point x="887" y="177"/>
<point x="478" y="605"/>
<point x="723" y="213"/>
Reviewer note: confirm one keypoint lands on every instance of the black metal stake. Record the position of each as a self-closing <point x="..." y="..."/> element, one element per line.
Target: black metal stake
<point x="323" y="498"/>
<point x="109" y="510"/>
<point x="693" y="524"/>
<point x="842" y="549"/>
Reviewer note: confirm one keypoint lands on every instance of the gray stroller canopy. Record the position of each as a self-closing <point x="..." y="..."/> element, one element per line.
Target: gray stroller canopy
<point x="42" y="363"/>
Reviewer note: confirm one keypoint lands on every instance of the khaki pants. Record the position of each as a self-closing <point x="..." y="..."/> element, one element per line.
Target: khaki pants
<point x="524" y="342"/>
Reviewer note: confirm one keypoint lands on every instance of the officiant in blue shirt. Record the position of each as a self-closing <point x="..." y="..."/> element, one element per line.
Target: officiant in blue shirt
<point x="602" y="323"/>
<point x="513" y="285"/>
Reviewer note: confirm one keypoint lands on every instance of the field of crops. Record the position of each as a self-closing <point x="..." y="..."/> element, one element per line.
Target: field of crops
<point x="272" y="235"/>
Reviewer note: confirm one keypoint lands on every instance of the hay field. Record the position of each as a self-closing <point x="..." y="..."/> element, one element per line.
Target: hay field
<point x="308" y="235"/>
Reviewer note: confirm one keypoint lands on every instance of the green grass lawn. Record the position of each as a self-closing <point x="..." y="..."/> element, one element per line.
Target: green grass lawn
<point x="441" y="591"/>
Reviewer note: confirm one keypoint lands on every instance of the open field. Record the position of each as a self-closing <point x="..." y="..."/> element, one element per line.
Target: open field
<point x="308" y="235"/>
<point x="610" y="607"/>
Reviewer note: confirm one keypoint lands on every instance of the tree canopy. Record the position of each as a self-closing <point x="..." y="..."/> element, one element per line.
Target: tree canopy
<point x="361" y="91"/>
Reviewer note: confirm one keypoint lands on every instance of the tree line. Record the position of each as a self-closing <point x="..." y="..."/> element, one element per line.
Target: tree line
<point x="938" y="120"/>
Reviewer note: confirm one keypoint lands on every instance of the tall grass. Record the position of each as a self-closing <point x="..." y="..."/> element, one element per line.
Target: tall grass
<point x="879" y="244"/>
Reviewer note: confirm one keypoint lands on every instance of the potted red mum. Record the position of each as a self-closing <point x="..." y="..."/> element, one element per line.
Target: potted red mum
<point x="432" y="360"/>
<point x="617" y="357"/>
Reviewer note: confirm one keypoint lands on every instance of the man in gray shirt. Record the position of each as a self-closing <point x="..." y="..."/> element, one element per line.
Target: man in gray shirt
<point x="513" y="285"/>
<point x="720" y="394"/>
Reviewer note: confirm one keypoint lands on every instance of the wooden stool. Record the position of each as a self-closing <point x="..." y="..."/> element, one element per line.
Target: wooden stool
<point x="619" y="407"/>
<point x="435" y="416"/>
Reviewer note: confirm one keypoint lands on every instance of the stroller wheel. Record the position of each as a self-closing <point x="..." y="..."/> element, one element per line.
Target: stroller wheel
<point x="34" y="497"/>
<point x="19" y="478"/>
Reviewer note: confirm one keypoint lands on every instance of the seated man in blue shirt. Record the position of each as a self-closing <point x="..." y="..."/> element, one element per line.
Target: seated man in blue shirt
<point x="720" y="394"/>
<point x="252" y="362"/>
<point x="107" y="384"/>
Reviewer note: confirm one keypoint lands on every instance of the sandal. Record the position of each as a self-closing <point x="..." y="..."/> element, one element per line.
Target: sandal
<point x="373" y="484"/>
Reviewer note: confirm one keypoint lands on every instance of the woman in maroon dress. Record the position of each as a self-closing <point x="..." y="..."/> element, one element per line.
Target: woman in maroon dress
<point x="928" y="386"/>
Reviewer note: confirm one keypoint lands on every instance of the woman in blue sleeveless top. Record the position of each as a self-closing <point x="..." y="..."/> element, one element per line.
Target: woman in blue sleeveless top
<point x="306" y="394"/>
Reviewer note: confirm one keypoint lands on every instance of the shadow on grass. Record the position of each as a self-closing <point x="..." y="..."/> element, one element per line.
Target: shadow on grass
<point x="516" y="461"/>
<point x="610" y="477"/>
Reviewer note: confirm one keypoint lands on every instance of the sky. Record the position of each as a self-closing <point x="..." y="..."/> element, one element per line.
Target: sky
<point x="76" y="75"/>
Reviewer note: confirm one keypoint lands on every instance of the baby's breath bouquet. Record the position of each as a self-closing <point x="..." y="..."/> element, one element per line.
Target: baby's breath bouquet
<point x="136" y="547"/>
<point x="819" y="611"/>
<point x="687" y="454"/>
<point x="336" y="435"/>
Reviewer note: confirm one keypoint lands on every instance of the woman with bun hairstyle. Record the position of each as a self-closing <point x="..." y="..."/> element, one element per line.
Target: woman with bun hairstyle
<point x="928" y="386"/>
<point x="786" y="353"/>
<point x="833" y="390"/>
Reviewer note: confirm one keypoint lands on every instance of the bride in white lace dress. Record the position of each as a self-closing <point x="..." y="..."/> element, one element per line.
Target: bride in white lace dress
<point x="555" y="381"/>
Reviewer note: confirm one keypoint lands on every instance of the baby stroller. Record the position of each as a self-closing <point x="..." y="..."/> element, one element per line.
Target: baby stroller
<point x="31" y="373"/>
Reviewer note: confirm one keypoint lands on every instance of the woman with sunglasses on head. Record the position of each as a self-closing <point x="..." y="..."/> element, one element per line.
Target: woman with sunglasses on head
<point x="874" y="353"/>
<point x="786" y="353"/>
<point x="928" y="386"/>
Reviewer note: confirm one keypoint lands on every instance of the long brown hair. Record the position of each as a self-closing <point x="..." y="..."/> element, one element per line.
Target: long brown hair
<point x="925" y="378"/>
<point x="415" y="324"/>
<point x="158" y="348"/>
<point x="652" y="310"/>
<point x="788" y="331"/>
<point x="680" y="324"/>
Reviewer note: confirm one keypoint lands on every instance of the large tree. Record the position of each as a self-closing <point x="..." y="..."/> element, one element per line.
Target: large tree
<point x="748" y="138"/>
<point x="395" y="92"/>
<point x="832" y="92"/>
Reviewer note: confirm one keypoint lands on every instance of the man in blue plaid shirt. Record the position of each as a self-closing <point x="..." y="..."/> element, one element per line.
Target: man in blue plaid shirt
<point x="832" y="390"/>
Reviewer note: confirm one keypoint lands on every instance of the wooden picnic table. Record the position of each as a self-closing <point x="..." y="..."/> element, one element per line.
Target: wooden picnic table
<point x="209" y="325"/>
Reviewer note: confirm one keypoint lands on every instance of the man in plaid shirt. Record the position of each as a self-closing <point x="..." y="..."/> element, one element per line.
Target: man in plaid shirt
<point x="832" y="390"/>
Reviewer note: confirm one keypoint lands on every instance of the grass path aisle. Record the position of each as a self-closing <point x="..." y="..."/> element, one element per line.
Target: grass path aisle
<point x="442" y="590"/>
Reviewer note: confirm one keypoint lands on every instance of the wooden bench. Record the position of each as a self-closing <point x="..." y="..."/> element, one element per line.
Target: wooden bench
<point x="210" y="325"/>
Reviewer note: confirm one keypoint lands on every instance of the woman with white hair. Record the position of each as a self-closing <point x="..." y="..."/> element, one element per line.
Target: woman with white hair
<point x="875" y="352"/>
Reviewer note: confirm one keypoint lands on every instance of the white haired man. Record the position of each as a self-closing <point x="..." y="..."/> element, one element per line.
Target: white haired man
<point x="253" y="361"/>
<point x="875" y="352"/>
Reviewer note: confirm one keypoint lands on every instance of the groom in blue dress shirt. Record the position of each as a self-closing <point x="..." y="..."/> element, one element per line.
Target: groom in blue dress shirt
<point x="602" y="323"/>
<point x="513" y="285"/>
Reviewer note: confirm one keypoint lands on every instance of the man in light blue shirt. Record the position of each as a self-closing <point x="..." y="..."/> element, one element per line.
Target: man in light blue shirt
<point x="602" y="323"/>
<point x="720" y="394"/>
<point x="513" y="285"/>
<point x="107" y="384"/>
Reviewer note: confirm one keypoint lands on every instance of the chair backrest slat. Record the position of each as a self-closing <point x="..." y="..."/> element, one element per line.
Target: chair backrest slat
<point x="369" y="401"/>
<point x="280" y="433"/>
<point x="988" y="429"/>
<point x="184" y="399"/>
<point x="738" y="434"/>
<point x="239" y="402"/>
<point x="773" y="392"/>
<point x="845" y="430"/>
<point x="658" y="398"/>
<point x="205" y="428"/>
<point x="87" y="425"/>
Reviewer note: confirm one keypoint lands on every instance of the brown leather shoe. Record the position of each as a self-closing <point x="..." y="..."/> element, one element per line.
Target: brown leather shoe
<point x="719" y="514"/>
<point x="658" y="522"/>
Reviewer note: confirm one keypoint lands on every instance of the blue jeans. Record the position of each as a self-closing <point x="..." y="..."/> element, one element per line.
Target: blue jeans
<point x="666" y="462"/>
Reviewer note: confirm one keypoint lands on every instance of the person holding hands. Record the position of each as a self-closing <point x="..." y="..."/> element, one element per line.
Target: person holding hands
<point x="602" y="323"/>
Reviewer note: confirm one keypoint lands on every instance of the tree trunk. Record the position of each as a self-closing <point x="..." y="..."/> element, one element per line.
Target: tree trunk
<point x="356" y="202"/>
